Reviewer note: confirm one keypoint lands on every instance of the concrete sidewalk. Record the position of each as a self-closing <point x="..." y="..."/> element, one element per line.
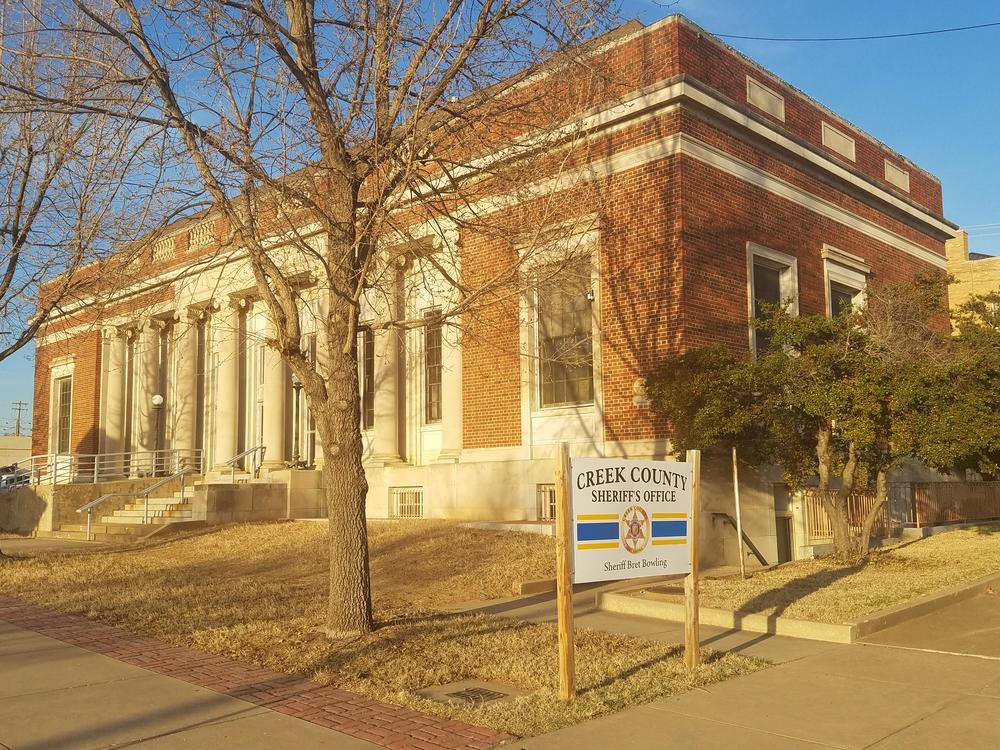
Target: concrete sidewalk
<point x="542" y="608"/>
<point x="860" y="696"/>
<point x="56" y="696"/>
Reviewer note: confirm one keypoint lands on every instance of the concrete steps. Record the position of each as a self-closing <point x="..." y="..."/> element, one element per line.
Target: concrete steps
<point x="114" y="533"/>
<point x="126" y="523"/>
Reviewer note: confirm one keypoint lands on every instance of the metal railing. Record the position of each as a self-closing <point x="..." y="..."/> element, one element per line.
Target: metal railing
<point x="88" y="508"/>
<point x="257" y="458"/>
<point x="938" y="503"/>
<point x="859" y="505"/>
<point x="92" y="468"/>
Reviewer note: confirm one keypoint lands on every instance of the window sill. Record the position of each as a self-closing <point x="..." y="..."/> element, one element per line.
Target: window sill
<point x="563" y="410"/>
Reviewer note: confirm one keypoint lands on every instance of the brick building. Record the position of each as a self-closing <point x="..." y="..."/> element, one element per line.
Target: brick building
<point x="721" y="185"/>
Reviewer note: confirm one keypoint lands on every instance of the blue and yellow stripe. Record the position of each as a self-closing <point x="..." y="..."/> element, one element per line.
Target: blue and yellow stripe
<point x="669" y="528"/>
<point x="597" y="531"/>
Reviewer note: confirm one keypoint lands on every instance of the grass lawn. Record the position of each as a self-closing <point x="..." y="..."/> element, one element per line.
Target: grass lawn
<point x="825" y="591"/>
<point x="257" y="592"/>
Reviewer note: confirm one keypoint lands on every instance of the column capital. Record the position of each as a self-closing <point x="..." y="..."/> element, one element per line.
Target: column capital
<point x="192" y="313"/>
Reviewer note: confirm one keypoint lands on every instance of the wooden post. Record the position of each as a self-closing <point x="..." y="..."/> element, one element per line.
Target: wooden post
<point x="739" y="517"/>
<point x="564" y="576"/>
<point x="692" y="638"/>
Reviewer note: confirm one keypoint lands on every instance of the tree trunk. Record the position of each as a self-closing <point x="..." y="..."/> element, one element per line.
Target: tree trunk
<point x="349" y="609"/>
<point x="835" y="505"/>
<point x="881" y="497"/>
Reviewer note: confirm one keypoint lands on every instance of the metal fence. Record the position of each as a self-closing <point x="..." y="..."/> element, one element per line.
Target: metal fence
<point x="91" y="468"/>
<point x="936" y="503"/>
<point x="910" y="504"/>
<point x="859" y="505"/>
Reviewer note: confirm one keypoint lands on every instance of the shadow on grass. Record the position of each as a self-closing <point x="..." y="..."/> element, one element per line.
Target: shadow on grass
<point x="780" y="598"/>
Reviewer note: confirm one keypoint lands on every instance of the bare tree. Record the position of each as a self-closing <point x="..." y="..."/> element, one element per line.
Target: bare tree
<point x="70" y="177"/>
<point x="334" y="138"/>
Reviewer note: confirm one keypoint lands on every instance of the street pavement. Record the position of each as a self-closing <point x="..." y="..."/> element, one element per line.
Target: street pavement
<point x="56" y="696"/>
<point x="859" y="696"/>
<point x="969" y="627"/>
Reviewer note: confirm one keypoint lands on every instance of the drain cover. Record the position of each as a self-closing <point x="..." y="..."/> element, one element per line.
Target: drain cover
<point x="471" y="692"/>
<point x="477" y="695"/>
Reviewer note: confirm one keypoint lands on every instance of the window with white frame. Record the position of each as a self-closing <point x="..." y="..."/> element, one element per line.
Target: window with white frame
<point x="432" y="366"/>
<point x="63" y="390"/>
<point x="773" y="281"/>
<point x="565" y="334"/>
<point x="846" y="279"/>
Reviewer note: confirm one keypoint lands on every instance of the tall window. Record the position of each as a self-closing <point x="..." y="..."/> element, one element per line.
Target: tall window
<point x="766" y="291"/>
<point x="366" y="375"/>
<point x="847" y="277"/>
<point x="64" y="413"/>
<point x="842" y="298"/>
<point x="432" y="366"/>
<point x="773" y="281"/>
<point x="565" y="341"/>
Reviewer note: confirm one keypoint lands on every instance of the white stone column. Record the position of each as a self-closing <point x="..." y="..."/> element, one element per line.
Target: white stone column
<point x="451" y="394"/>
<point x="275" y="387"/>
<point x="226" y="331"/>
<point x="185" y="386"/>
<point x="322" y="358"/>
<point x="114" y="405"/>
<point x="149" y="386"/>
<point x="385" y="443"/>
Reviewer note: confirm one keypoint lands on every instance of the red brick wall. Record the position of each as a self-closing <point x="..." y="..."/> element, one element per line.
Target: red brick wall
<point x="491" y="365"/>
<point x="721" y="214"/>
<point x="85" y="349"/>
<point x="725" y="70"/>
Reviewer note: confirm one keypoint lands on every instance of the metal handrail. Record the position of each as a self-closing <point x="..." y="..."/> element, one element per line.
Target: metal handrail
<point x="145" y="492"/>
<point x="231" y="463"/>
<point x="61" y="468"/>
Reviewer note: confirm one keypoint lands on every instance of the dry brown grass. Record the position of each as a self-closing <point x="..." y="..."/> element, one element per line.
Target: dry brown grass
<point x="826" y="591"/>
<point x="257" y="592"/>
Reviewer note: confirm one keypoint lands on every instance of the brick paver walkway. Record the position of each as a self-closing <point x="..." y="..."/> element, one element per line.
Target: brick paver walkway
<point x="393" y="727"/>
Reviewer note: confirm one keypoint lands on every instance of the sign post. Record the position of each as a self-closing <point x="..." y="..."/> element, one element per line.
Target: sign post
<point x="564" y="576"/>
<point x="692" y="639"/>
<point x="739" y="517"/>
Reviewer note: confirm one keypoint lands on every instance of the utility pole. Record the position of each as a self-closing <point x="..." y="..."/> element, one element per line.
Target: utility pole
<point x="17" y="407"/>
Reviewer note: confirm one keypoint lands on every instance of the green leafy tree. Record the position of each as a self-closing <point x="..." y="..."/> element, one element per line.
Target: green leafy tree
<point x="838" y="399"/>
<point x="953" y="424"/>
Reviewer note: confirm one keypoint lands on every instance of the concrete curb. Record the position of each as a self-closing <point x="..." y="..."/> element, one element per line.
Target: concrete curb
<point x="540" y="586"/>
<point x="854" y="630"/>
<point x="724" y="618"/>
<point x="922" y="605"/>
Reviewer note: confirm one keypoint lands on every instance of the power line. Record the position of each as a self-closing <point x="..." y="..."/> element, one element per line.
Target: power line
<point x="856" y="38"/>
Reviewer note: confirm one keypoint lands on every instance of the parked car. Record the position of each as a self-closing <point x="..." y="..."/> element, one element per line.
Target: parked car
<point x="12" y="476"/>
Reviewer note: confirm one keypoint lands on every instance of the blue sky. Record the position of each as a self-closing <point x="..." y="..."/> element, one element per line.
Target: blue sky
<point x="935" y="99"/>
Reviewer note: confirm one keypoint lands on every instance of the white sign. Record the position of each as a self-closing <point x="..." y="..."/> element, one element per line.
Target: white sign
<point x="630" y="518"/>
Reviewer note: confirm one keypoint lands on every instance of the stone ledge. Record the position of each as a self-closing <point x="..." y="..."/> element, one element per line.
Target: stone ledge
<point x="628" y="604"/>
<point x="849" y="632"/>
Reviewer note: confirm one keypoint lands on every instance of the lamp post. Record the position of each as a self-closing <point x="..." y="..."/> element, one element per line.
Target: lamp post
<point x="296" y="419"/>
<point x="157" y="403"/>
